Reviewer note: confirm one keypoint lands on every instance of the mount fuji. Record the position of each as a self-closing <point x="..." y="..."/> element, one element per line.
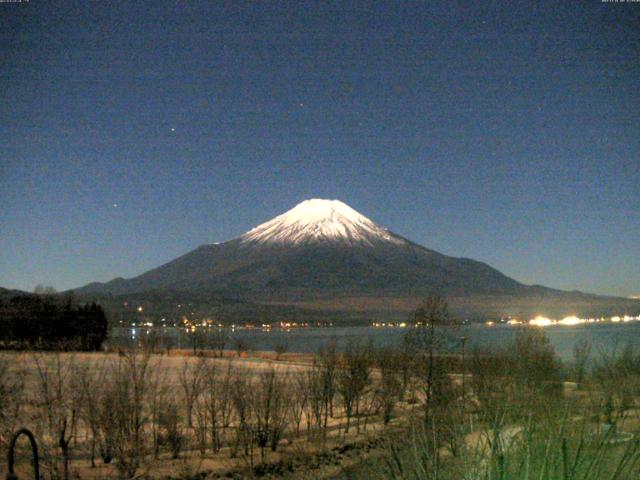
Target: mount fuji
<point x="324" y="255"/>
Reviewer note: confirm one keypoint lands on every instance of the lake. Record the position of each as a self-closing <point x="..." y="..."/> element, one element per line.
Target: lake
<point x="604" y="337"/>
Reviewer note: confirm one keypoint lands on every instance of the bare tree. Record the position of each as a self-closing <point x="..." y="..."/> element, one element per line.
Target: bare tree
<point x="281" y="348"/>
<point x="617" y="375"/>
<point x="581" y="354"/>
<point x="12" y="389"/>
<point x="405" y="369"/>
<point x="329" y="360"/>
<point x="515" y="375"/>
<point x="197" y="338"/>
<point x="91" y="379"/>
<point x="191" y="380"/>
<point x="354" y="375"/>
<point x="240" y="397"/>
<point x="269" y="405"/>
<point x="317" y="404"/>
<point x="488" y="379"/>
<point x="173" y="435"/>
<point x="225" y="404"/>
<point x="299" y="398"/>
<point x="424" y="340"/>
<point x="131" y="381"/>
<point x="201" y="426"/>
<point x="158" y="392"/>
<point x="531" y="362"/>
<point x="167" y="343"/>
<point x="215" y="403"/>
<point x="390" y="386"/>
<point x="105" y="407"/>
<point x="218" y="340"/>
<point x="242" y="346"/>
<point x="58" y="398"/>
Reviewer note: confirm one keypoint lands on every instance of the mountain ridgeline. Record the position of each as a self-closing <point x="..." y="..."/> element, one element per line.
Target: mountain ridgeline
<point x="324" y="256"/>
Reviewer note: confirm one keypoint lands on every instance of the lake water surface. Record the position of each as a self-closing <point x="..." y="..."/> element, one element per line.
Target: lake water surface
<point x="605" y="337"/>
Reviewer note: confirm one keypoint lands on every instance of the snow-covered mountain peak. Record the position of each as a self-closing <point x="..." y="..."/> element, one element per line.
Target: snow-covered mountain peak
<point x="320" y="221"/>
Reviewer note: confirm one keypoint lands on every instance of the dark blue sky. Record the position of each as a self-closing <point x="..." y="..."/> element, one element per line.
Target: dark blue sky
<point x="507" y="132"/>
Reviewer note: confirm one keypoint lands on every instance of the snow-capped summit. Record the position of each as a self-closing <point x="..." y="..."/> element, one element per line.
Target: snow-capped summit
<point x="320" y="221"/>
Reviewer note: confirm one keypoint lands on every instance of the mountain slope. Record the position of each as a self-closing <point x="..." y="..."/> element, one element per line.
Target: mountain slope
<point x="320" y="248"/>
<point x="324" y="251"/>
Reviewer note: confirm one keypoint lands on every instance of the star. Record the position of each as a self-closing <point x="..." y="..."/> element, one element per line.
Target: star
<point x="173" y="129"/>
<point x="115" y="205"/>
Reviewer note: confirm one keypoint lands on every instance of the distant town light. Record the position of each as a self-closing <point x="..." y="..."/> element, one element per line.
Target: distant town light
<point x="572" y="320"/>
<point x="541" y="321"/>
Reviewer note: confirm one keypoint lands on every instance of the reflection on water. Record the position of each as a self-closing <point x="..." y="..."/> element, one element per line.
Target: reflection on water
<point x="602" y="337"/>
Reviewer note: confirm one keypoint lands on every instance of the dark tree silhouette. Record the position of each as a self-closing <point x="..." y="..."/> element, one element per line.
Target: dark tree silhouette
<point x="424" y="341"/>
<point x="51" y="322"/>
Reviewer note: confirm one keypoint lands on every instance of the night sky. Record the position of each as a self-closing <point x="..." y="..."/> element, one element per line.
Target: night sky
<point x="132" y="132"/>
